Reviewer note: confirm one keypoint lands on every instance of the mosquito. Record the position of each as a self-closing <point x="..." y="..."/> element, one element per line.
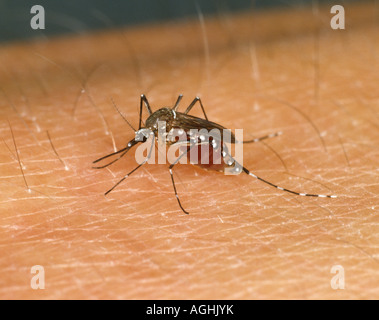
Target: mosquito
<point x="185" y="122"/>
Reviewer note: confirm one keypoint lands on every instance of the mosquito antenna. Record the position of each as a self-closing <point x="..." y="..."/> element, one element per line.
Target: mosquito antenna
<point x="115" y="106"/>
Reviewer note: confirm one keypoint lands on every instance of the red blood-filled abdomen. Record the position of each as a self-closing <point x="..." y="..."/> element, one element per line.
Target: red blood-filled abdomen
<point x="206" y="157"/>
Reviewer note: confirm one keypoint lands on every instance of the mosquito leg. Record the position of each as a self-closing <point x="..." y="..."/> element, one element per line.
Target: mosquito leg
<point x="145" y="102"/>
<point x="272" y="135"/>
<point x="193" y="103"/>
<point x="127" y="175"/>
<point x="176" y="193"/>
<point x="135" y="169"/>
<point x="172" y="176"/>
<point x="278" y="187"/>
<point x="287" y="190"/>
<point x="177" y="102"/>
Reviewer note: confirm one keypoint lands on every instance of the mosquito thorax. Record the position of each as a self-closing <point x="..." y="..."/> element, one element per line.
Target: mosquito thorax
<point x="162" y="115"/>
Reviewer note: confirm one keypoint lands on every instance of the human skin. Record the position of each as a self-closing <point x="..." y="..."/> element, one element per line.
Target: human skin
<point x="264" y="72"/>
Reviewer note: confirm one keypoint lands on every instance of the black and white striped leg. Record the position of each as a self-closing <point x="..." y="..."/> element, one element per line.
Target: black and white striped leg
<point x="193" y="103"/>
<point x="268" y="136"/>
<point x="176" y="193"/>
<point x="127" y="175"/>
<point x="172" y="176"/>
<point x="226" y="155"/>
<point x="287" y="190"/>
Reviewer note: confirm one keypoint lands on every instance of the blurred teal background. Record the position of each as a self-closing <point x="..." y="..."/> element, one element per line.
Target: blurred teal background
<point x="83" y="15"/>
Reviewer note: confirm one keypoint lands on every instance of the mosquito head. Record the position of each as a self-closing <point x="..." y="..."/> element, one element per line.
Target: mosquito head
<point x="162" y="115"/>
<point x="143" y="134"/>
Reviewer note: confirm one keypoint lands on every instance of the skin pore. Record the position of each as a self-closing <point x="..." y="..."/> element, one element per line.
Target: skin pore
<point x="264" y="72"/>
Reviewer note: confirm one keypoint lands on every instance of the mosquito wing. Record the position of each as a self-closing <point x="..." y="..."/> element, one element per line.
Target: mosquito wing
<point x="188" y="122"/>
